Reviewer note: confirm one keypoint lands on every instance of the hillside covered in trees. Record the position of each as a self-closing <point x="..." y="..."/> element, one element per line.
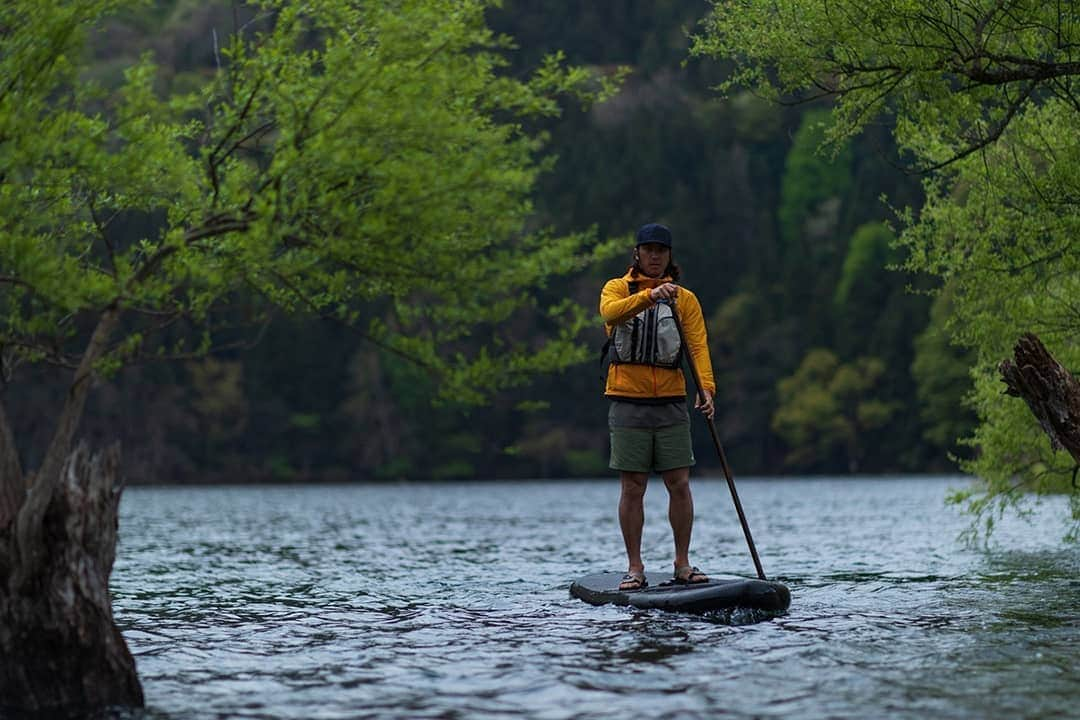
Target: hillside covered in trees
<point x="828" y="358"/>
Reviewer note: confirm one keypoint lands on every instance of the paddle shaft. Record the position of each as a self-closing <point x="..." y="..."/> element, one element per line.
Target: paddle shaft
<point x="719" y="448"/>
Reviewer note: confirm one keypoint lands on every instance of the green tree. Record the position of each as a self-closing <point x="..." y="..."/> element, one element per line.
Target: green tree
<point x="376" y="407"/>
<point x="751" y="349"/>
<point x="941" y="369"/>
<point x="365" y="162"/>
<point x="812" y="192"/>
<point x="219" y="401"/>
<point x="829" y="407"/>
<point x="876" y="314"/>
<point x="864" y="288"/>
<point x="984" y="101"/>
<point x="812" y="189"/>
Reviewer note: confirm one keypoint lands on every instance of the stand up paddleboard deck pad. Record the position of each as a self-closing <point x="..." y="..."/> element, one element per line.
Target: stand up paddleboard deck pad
<point x="664" y="594"/>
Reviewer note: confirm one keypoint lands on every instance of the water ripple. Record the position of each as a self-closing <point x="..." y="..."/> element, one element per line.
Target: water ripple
<point x="450" y="601"/>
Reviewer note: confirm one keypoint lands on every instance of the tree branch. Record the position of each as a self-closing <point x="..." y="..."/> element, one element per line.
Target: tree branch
<point x="101" y="226"/>
<point x="216" y="225"/>
<point x="12" y="280"/>
<point x="313" y="307"/>
<point x="28" y="524"/>
<point x="213" y="159"/>
<point x="989" y="138"/>
<point x="1048" y="388"/>
<point x="1021" y="69"/>
<point x="50" y="352"/>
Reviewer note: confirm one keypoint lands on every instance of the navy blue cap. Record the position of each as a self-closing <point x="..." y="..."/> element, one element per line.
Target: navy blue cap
<point x="654" y="233"/>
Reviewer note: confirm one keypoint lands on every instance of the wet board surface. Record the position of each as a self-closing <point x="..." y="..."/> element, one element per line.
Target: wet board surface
<point x="663" y="594"/>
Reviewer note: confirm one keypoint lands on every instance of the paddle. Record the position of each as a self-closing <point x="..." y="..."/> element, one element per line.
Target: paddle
<point x="716" y="441"/>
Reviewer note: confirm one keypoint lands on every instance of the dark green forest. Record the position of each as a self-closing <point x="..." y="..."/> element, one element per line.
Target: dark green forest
<point x="828" y="359"/>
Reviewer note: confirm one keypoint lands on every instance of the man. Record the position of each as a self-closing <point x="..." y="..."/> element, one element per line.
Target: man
<point x="648" y="419"/>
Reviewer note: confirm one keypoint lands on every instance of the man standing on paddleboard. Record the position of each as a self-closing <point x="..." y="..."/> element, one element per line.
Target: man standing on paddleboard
<point x="648" y="419"/>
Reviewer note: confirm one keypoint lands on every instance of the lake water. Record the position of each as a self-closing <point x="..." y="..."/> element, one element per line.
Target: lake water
<point x="451" y="601"/>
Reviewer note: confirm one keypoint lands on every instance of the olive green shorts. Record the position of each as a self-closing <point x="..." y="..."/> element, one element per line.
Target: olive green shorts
<point x="651" y="449"/>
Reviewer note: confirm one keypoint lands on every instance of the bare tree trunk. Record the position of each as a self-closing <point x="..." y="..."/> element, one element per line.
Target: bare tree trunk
<point x="59" y="646"/>
<point x="1048" y="388"/>
<point x="28" y="523"/>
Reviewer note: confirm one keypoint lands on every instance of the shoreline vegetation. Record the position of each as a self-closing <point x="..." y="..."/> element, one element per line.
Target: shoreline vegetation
<point x="833" y="352"/>
<point x="787" y="247"/>
<point x="834" y="349"/>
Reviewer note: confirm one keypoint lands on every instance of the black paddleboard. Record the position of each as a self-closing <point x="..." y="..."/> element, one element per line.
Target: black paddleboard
<point x="664" y="594"/>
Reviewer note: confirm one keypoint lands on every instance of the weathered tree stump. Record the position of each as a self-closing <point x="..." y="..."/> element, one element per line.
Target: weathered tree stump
<point x="1049" y="389"/>
<point x="59" y="646"/>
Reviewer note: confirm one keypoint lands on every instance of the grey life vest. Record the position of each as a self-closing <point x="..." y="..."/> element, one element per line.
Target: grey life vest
<point x="649" y="338"/>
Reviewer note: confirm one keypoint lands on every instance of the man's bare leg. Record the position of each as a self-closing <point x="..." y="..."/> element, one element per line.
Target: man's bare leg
<point x="680" y="512"/>
<point x="632" y="517"/>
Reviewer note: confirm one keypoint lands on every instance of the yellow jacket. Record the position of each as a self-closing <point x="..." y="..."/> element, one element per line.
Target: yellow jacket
<point x="648" y="382"/>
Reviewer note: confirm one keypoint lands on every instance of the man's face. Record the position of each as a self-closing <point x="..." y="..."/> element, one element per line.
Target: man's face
<point x="654" y="258"/>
